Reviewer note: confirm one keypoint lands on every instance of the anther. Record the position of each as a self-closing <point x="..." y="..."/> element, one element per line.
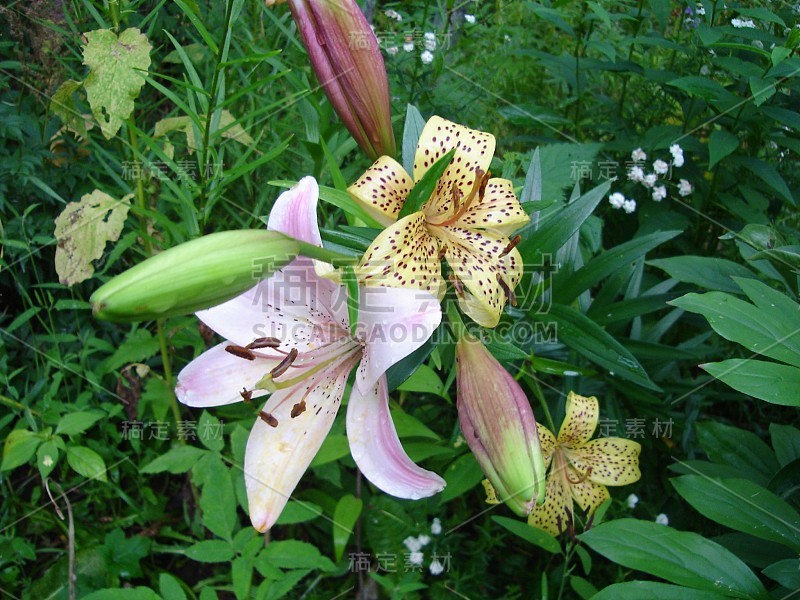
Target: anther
<point x="268" y="418"/>
<point x="511" y="245"/>
<point x="457" y="285"/>
<point x="484" y="181"/>
<point x="246" y="394"/>
<point x="263" y="342"/>
<point x="241" y="352"/>
<point x="512" y="299"/>
<point x="298" y="409"/>
<point x="284" y="365"/>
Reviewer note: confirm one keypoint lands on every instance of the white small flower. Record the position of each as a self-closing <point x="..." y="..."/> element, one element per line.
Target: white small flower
<point x="393" y="14"/>
<point x="424" y="540"/>
<point x="416" y="558"/>
<point x="412" y="544"/>
<point x="649" y="180"/>
<point x="430" y="45"/>
<point x="701" y="10"/>
<point x="436" y="526"/>
<point x="408" y="46"/>
<point x="743" y="23"/>
<point x="636" y="173"/>
<point x="632" y="501"/>
<point x="684" y="187"/>
<point x="436" y="567"/>
<point x="660" y="167"/>
<point x="677" y="155"/>
<point x="392" y="50"/>
<point x="470" y="19"/>
<point x="662" y="519"/>
<point x="638" y="155"/>
<point x="47" y="461"/>
<point x="629" y="206"/>
<point x="616" y="200"/>
<point x="426" y="57"/>
<point x="507" y="38"/>
<point x="429" y="35"/>
<point x="705" y="70"/>
<point x="659" y="193"/>
<point x="758" y="44"/>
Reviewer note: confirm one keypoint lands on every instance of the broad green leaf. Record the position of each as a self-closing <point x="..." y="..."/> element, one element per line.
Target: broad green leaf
<point x="333" y="448"/>
<point x="87" y="462"/>
<point x="83" y="229"/>
<point x="292" y="554"/>
<point x="348" y="509"/>
<point x="653" y="590"/>
<point x="754" y="551"/>
<point x="136" y="347"/>
<point x="583" y="335"/>
<point x="462" y="475"/>
<point x="424" y="379"/>
<point x="720" y="144"/>
<point x="210" y="551"/>
<point x="680" y="557"/>
<point x="423" y="189"/>
<point x="402" y="370"/>
<point x="19" y="448"/>
<point x="408" y="425"/>
<point x="761" y="331"/>
<point x="47" y="457"/>
<point x="117" y="66"/>
<point x="738" y="448"/>
<point x="170" y="587"/>
<point x="785" y="572"/>
<point x="63" y="105"/>
<point x="768" y="174"/>
<point x="217" y="501"/>
<point x="412" y="130"/>
<point x="209" y="432"/>
<point x="532" y="535"/>
<point x="78" y="422"/>
<point x="705" y="88"/>
<point x="707" y="272"/>
<point x="742" y="505"/>
<point x="128" y="593"/>
<point x="179" y="459"/>
<point x="768" y="381"/>
<point x="242" y="576"/>
<point x="568" y="287"/>
<point x="786" y="442"/>
<point x="298" y="511"/>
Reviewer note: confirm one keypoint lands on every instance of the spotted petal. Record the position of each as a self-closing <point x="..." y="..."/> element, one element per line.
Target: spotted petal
<point x="216" y="377"/>
<point x="498" y="211"/>
<point x="393" y="322"/>
<point x="403" y="255"/>
<point x="377" y="450"/>
<point x="474" y="150"/>
<point x="276" y="457"/>
<point x="383" y="189"/>
<point x="580" y="420"/>
<point x="614" y="461"/>
<point x="587" y="494"/>
<point x="556" y="513"/>
<point x="548" y="443"/>
<point x="475" y="258"/>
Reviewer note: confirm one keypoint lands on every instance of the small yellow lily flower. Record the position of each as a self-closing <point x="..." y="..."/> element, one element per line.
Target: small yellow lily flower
<point x="581" y="469"/>
<point x="467" y="221"/>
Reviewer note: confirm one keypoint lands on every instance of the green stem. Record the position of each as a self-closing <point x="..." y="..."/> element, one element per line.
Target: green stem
<point x="141" y="203"/>
<point x="14" y="404"/>
<point x="166" y="363"/>
<point x="537" y="391"/>
<point x="337" y="259"/>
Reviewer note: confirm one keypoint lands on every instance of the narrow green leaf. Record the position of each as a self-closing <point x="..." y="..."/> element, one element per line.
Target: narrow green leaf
<point x="348" y="509"/>
<point x="462" y="475"/>
<point x="412" y="130"/>
<point x="739" y="448"/>
<point x="707" y="272"/>
<point x="653" y="590"/>
<point x="210" y="551"/>
<point x="338" y="198"/>
<point x="532" y="535"/>
<point x="424" y="187"/>
<point x="768" y="381"/>
<point x="785" y="572"/>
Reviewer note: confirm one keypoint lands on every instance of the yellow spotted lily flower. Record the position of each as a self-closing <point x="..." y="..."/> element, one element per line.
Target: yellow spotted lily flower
<point x="498" y="424"/>
<point x="581" y="468"/>
<point x="290" y="336"/>
<point x="467" y="221"/>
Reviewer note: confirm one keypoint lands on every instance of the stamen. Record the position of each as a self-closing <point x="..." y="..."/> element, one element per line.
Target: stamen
<point x="477" y="190"/>
<point x="581" y="478"/>
<point x="298" y="409"/>
<point x="456" y="194"/>
<point x="268" y="418"/>
<point x="511" y="245"/>
<point x="457" y="285"/>
<point x="263" y="342"/>
<point x="284" y="365"/>
<point x="442" y="253"/>
<point x="484" y="181"/>
<point x="241" y="352"/>
<point x="512" y="299"/>
<point x="246" y="394"/>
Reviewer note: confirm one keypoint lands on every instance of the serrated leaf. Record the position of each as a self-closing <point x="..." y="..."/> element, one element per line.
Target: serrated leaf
<point x="291" y="554"/>
<point x="209" y="431"/>
<point x="217" y="500"/>
<point x="83" y="229"/>
<point x="210" y="551"/>
<point x="177" y="460"/>
<point x="117" y="66"/>
<point x="63" y="106"/>
<point x="87" y="462"/>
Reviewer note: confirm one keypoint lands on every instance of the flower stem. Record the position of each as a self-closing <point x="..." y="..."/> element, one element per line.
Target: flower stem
<point x="456" y="324"/>
<point x="337" y="259"/>
<point x="166" y="363"/>
<point x="537" y="391"/>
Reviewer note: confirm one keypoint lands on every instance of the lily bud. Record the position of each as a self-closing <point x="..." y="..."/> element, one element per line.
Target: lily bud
<point x="194" y="275"/>
<point x="345" y="56"/>
<point x="499" y="426"/>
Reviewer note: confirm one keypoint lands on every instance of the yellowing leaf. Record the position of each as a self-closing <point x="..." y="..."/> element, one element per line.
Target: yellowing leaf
<point x="228" y="127"/>
<point x="63" y="105"/>
<point x="115" y="77"/>
<point x="82" y="230"/>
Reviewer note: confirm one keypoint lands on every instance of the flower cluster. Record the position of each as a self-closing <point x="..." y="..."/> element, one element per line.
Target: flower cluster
<point x="416" y="544"/>
<point x="743" y="23"/>
<point x="653" y="181"/>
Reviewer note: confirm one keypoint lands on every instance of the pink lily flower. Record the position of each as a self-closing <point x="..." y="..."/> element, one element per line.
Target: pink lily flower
<point x="290" y="336"/>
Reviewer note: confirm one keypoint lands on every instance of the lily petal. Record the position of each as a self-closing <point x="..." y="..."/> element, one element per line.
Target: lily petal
<point x="276" y="457"/>
<point x="377" y="450"/>
<point x="474" y="150"/>
<point x="580" y="420"/>
<point x="393" y="323"/>
<point x="475" y="258"/>
<point x="556" y="513"/>
<point x="403" y="255"/>
<point x="499" y="210"/>
<point x="295" y="212"/>
<point x="548" y="443"/>
<point x="587" y="494"/>
<point x="614" y="461"/>
<point x="216" y="377"/>
<point x="383" y="189"/>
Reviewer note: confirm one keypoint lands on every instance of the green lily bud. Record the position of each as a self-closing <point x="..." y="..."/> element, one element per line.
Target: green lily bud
<point x="194" y="275"/>
<point x="499" y="426"/>
<point x="348" y="62"/>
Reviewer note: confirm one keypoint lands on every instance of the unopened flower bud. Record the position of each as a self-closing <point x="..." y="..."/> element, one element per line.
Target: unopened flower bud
<point x="194" y="275"/>
<point x="499" y="426"/>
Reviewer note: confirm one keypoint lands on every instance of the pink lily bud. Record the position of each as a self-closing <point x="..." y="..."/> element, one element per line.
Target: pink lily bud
<point x="345" y="56"/>
<point x="499" y="426"/>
